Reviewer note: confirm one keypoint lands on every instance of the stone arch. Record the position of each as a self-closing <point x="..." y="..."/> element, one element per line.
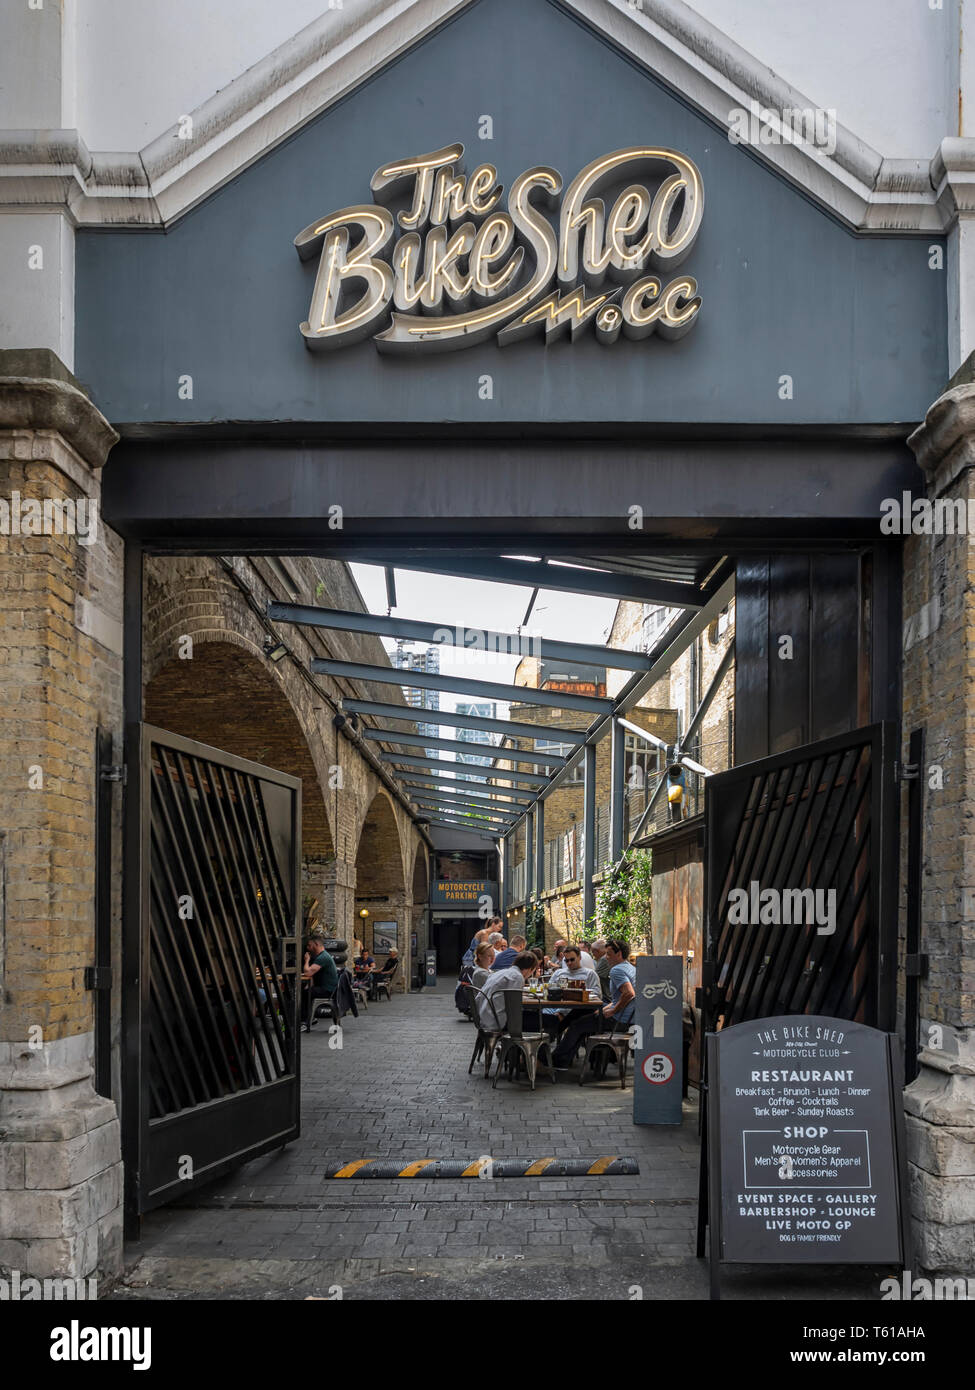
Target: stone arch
<point x="421" y="876"/>
<point x="380" y="883"/>
<point x="227" y="697"/>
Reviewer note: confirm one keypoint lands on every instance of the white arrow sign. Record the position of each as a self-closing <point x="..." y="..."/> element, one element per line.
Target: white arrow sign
<point x="659" y="1017"/>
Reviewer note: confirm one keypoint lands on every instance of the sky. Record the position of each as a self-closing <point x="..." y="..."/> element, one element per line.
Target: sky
<point x="474" y="603"/>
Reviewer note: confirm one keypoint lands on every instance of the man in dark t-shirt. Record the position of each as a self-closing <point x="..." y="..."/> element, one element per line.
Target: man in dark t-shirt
<point x="319" y="969"/>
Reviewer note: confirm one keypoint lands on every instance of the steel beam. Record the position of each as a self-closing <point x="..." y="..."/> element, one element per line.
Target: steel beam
<point x="434" y="818"/>
<point x="448" y="745"/>
<point x="431" y="784"/>
<point x="481" y="803"/>
<point x="640" y="733"/>
<point x="567" y="579"/>
<point x="504" y="874"/>
<point x="539" y="849"/>
<point x="709" y="694"/>
<point x="460" y="685"/>
<point x="437" y="765"/>
<point x="589" y="835"/>
<point x="472" y="816"/>
<point x="672" y="645"/>
<point x="617" y="788"/>
<point x="529" y="861"/>
<point x="648" y="809"/>
<point x="471" y="639"/>
<point x="462" y="721"/>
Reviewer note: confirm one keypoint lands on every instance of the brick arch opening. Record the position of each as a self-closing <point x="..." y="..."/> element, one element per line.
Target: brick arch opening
<point x="421" y="881"/>
<point x="379" y="879"/>
<point x="225" y="696"/>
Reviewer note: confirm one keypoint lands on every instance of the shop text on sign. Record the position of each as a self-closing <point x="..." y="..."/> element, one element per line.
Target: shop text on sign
<point x="454" y="267"/>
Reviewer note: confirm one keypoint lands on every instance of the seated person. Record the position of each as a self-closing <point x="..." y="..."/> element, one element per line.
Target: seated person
<point x="512" y="977"/>
<point x="483" y="960"/>
<point x="558" y="951"/>
<point x="587" y="957"/>
<point x="320" y="970"/>
<point x="571" y="973"/>
<point x="618" y="1013"/>
<point x="364" y="963"/>
<point x="388" y="968"/>
<point x="603" y="966"/>
<point x="506" y="956"/>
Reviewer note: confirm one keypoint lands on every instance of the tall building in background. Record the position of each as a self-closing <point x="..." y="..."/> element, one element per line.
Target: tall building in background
<point x="410" y="656"/>
<point x="485" y="709"/>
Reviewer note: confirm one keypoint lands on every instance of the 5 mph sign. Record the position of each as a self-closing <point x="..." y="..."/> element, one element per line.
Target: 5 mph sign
<point x="658" y="1080"/>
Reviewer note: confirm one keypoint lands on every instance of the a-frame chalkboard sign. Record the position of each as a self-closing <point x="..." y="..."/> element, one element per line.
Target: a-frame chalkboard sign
<point x="803" y="1158"/>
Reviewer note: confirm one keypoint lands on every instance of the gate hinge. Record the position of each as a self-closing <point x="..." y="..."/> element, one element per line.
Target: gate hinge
<point x="113" y="772"/>
<point x="906" y="772"/>
<point x="98" y="977"/>
<point x="916" y="965"/>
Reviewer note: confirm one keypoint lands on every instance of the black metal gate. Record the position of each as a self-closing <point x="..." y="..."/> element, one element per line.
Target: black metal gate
<point x="212" y="1049"/>
<point x="818" y="820"/>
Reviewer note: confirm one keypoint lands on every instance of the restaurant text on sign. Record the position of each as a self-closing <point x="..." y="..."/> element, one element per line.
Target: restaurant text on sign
<point x="464" y="269"/>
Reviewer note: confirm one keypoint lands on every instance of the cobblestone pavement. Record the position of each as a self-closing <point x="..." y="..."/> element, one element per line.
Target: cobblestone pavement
<point x="399" y="1088"/>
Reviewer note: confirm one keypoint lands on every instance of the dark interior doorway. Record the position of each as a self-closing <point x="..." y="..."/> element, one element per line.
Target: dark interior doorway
<point x="451" y="938"/>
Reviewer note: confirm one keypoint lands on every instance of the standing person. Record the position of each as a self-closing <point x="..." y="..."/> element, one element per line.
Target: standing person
<point x="320" y="971"/>
<point x="494" y="925"/>
<point x="602" y="966"/>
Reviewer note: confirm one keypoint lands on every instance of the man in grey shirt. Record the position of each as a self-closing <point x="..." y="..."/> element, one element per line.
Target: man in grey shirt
<point x="511" y="977"/>
<point x="603" y="966"/>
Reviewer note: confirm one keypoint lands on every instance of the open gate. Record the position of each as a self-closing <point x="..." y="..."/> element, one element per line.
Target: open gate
<point x="818" y="820"/>
<point x="212" y="1020"/>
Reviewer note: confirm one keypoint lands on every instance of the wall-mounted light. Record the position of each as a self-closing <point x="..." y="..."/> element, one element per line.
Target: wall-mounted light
<point x="274" y="650"/>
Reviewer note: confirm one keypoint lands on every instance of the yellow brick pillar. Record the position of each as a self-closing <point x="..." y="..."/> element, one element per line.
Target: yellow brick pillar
<point x="60" y="678"/>
<point x="939" y="694"/>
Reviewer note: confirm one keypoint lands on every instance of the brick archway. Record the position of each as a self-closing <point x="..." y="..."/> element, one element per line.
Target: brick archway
<point x="380" y="883"/>
<point x="225" y="696"/>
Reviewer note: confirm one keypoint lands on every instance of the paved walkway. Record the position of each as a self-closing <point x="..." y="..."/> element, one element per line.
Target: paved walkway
<point x="399" y="1088"/>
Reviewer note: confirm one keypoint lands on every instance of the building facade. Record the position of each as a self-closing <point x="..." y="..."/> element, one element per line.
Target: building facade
<point x="790" y="376"/>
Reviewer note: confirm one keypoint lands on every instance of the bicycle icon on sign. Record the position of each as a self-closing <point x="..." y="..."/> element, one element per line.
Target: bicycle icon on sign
<point x="666" y="988"/>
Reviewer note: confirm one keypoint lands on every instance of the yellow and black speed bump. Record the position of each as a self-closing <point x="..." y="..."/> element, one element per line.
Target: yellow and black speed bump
<point x="610" y="1167"/>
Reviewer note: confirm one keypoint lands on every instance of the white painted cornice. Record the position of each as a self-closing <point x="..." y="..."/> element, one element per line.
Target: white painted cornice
<point x="42" y="170"/>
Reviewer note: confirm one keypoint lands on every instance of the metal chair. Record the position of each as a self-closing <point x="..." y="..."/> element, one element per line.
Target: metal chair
<point x="325" y="1006"/>
<point x="515" y="1044"/>
<point x="487" y="1038"/>
<point x="613" y="1042"/>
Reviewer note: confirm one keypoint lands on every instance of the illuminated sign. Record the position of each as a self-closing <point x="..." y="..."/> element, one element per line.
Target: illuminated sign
<point x="463" y="269"/>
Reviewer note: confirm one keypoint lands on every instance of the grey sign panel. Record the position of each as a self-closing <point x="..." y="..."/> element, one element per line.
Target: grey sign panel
<point x="804" y="1143"/>
<point x="200" y="323"/>
<point x="658" y="1071"/>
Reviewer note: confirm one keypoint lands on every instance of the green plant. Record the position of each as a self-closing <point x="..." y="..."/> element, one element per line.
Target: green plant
<point x="535" y="924"/>
<point x="624" y="900"/>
